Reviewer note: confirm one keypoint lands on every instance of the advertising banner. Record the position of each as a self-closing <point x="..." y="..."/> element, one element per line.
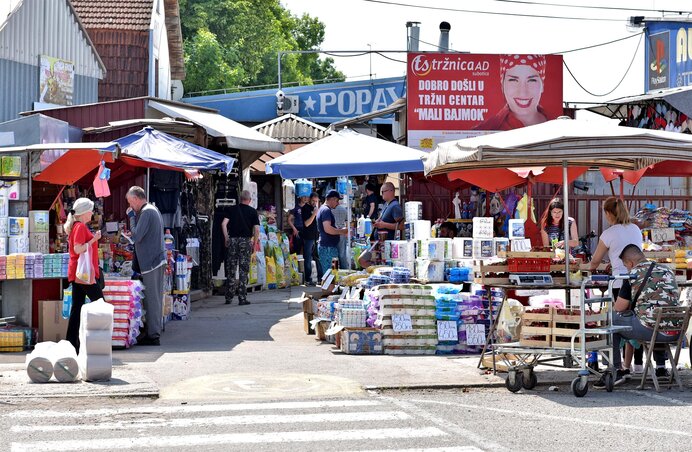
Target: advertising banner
<point x="452" y="96"/>
<point x="56" y="81"/>
<point x="668" y="55"/>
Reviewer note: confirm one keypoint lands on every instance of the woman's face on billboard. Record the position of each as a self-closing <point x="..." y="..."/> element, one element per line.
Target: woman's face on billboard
<point x="522" y="87"/>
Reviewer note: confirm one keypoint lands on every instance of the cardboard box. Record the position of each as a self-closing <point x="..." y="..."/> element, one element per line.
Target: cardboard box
<point x="307" y="318"/>
<point x="51" y="325"/>
<point x="361" y="341"/>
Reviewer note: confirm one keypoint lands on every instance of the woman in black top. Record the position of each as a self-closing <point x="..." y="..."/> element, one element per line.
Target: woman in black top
<point x="310" y="236"/>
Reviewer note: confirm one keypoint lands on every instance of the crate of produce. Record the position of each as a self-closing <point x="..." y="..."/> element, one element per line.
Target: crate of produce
<point x="566" y="321"/>
<point x="536" y="327"/>
<point x="529" y="264"/>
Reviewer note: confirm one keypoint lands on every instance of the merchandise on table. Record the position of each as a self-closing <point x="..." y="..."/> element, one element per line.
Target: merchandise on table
<point x="403" y="306"/>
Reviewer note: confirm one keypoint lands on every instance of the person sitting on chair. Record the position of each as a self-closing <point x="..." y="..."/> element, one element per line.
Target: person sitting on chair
<point x="653" y="285"/>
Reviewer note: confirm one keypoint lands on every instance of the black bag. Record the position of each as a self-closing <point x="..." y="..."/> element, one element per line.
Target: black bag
<point x="101" y="280"/>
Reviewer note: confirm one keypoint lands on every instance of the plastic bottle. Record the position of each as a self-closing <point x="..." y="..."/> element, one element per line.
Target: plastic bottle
<point x="367" y="227"/>
<point x="360" y="229"/>
<point x="67" y="302"/>
<point x="168" y="240"/>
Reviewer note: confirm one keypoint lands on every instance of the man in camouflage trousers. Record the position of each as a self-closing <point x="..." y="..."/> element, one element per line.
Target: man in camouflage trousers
<point x="637" y="300"/>
<point x="241" y="232"/>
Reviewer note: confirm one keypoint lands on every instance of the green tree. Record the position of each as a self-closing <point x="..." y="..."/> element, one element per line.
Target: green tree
<point x="209" y="66"/>
<point x="236" y="42"/>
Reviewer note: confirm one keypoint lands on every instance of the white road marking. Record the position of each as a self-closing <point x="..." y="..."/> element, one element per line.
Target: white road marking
<point x="529" y="414"/>
<point x="224" y="420"/>
<point x="655" y="396"/>
<point x="434" y="449"/>
<point x="143" y="442"/>
<point x="192" y="409"/>
<point x="462" y="432"/>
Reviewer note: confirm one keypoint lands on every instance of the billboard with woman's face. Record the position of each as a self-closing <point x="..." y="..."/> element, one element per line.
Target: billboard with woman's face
<point x="452" y="96"/>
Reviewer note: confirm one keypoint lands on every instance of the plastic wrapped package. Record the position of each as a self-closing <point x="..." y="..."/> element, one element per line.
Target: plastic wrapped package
<point x="65" y="366"/>
<point x="96" y="367"/>
<point x="39" y="367"/>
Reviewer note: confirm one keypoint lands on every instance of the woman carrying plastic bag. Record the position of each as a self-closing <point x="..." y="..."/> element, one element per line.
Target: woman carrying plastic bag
<point x="82" y="270"/>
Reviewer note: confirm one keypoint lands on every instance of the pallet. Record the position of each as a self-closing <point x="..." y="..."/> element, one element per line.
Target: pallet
<point x="253" y="288"/>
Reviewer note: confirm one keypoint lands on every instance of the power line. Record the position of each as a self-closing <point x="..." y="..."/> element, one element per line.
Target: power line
<point x="610" y="8"/>
<point x="492" y="13"/>
<point x="619" y="83"/>
<point x="597" y="45"/>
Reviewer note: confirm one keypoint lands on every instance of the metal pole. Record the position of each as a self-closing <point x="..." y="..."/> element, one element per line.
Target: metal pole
<point x="565" y="197"/>
<point x="279" y="55"/>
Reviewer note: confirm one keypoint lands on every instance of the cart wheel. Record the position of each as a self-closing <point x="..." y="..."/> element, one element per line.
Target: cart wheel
<point x="514" y="381"/>
<point x="579" y="387"/>
<point x="532" y="381"/>
<point x="609" y="382"/>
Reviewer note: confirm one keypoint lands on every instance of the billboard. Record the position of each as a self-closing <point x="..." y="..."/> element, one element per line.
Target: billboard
<point x="452" y="96"/>
<point x="322" y="104"/>
<point x="668" y="55"/>
<point x="56" y="81"/>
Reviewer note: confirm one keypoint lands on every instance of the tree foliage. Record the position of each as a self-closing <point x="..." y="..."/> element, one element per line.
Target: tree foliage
<point x="235" y="43"/>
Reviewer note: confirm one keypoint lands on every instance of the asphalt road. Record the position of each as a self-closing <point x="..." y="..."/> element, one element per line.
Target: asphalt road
<point x="452" y="420"/>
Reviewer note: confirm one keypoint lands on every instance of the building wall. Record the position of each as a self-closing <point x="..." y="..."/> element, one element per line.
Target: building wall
<point x="42" y="27"/>
<point x="161" y="56"/>
<point x="126" y="55"/>
<point x="19" y="88"/>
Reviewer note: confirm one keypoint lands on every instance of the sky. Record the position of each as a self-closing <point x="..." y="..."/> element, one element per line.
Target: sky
<point x="363" y="25"/>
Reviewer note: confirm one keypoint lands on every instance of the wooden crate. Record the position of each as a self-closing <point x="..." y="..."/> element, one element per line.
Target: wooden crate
<point x="490" y="274"/>
<point x="535" y="324"/>
<point x="562" y="336"/>
<point x="564" y="326"/>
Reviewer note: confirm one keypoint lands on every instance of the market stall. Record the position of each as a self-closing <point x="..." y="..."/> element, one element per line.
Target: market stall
<point x="75" y="169"/>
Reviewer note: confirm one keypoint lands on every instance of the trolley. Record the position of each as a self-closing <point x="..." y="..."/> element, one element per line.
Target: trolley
<point x="521" y="369"/>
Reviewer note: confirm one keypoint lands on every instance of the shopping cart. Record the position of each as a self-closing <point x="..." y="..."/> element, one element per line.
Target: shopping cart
<point x="521" y="360"/>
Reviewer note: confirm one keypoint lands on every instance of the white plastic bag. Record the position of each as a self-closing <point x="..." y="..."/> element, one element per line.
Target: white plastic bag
<point x="85" y="268"/>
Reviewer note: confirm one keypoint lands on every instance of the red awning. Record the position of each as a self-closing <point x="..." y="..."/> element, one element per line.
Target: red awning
<point x="498" y="179"/>
<point x="73" y="165"/>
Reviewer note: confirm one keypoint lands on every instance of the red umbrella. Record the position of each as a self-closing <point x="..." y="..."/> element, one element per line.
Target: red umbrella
<point x="498" y="179"/>
<point x="73" y="165"/>
<point x="668" y="168"/>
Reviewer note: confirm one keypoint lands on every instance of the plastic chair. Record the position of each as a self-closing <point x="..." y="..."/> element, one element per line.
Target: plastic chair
<point x="668" y="315"/>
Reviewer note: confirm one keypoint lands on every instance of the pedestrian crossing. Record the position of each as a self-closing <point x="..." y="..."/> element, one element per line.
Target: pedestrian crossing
<point x="346" y="425"/>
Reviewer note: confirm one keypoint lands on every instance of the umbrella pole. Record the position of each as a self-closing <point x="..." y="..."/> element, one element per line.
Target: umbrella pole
<point x="148" y="179"/>
<point x="565" y="198"/>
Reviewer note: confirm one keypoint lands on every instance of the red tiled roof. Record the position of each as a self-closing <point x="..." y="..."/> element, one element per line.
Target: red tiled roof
<point x="115" y="14"/>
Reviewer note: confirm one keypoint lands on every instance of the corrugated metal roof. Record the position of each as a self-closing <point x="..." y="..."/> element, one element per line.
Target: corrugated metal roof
<point x="292" y="129"/>
<point x="52" y="28"/>
<point x="115" y="14"/>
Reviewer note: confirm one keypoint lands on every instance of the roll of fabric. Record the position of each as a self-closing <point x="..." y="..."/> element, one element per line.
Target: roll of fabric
<point x="66" y="370"/>
<point x="39" y="368"/>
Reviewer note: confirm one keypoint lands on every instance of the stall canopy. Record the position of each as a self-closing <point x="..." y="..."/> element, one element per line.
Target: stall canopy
<point x="562" y="142"/>
<point x="346" y="153"/>
<point x="78" y="160"/>
<point x="237" y="135"/>
<point x="559" y="142"/>
<point x="162" y="149"/>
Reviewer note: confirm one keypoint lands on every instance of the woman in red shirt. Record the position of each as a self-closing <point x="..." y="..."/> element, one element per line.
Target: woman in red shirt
<point x="80" y="239"/>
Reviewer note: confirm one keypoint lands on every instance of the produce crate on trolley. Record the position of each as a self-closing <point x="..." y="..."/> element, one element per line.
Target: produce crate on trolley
<point x="567" y="321"/>
<point x="536" y="327"/>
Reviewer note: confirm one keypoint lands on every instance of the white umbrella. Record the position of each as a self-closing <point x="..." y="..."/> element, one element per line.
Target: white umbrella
<point x="346" y="153"/>
<point x="561" y="142"/>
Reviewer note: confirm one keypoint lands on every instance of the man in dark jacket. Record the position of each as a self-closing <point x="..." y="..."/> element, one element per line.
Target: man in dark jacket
<point x="146" y="231"/>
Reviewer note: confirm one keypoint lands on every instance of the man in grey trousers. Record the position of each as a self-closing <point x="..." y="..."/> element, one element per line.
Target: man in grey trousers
<point x="146" y="231"/>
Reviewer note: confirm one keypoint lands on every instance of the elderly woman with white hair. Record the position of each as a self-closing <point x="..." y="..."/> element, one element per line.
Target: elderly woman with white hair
<point x="80" y="241"/>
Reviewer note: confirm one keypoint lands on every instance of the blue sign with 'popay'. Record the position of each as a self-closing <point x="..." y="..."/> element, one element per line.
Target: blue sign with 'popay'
<point x="322" y="104"/>
<point x="668" y="55"/>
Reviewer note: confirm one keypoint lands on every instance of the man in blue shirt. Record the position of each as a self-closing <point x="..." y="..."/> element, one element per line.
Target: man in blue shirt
<point x="392" y="215"/>
<point x="329" y="234"/>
